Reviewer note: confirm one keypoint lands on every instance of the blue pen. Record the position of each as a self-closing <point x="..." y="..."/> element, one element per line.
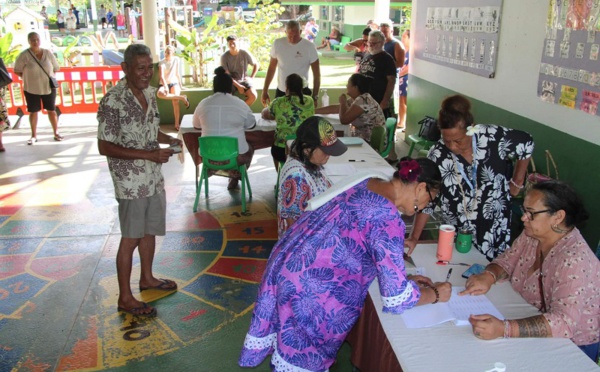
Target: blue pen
<point x="449" y="273"/>
<point x="356" y="161"/>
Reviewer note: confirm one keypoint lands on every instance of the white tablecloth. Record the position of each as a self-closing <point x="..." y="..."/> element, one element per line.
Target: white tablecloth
<point x="451" y="348"/>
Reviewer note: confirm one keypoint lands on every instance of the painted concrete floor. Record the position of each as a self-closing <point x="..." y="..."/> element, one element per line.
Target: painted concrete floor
<point x="59" y="235"/>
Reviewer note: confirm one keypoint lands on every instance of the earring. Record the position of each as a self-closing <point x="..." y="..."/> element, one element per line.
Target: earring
<point x="416" y="206"/>
<point x="558" y="230"/>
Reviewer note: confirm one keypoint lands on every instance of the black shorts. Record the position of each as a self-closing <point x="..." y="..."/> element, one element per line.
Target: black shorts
<point x="103" y="20"/>
<point x="35" y="101"/>
<point x="60" y="25"/>
<point x="278" y="153"/>
<point x="245" y="84"/>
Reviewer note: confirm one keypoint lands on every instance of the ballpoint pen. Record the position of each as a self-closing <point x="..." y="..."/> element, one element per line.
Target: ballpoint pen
<point x="449" y="273"/>
<point x="356" y="161"/>
<point x="444" y="263"/>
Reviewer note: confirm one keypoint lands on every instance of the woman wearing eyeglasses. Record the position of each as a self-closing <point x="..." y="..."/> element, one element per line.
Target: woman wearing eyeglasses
<point x="552" y="267"/>
<point x="475" y="160"/>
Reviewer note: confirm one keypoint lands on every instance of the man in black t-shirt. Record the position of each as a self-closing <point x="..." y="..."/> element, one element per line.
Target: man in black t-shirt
<point x="380" y="66"/>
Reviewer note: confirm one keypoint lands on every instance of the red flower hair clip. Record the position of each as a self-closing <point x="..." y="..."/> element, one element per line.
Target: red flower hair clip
<point x="409" y="170"/>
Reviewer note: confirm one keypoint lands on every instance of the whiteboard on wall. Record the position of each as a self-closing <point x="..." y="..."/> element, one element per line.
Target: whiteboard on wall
<point x="459" y="34"/>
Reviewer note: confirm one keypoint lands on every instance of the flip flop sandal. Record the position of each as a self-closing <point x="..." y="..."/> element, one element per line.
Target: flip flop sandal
<point x="32" y="141"/>
<point x="58" y="137"/>
<point x="165" y="285"/>
<point x="138" y="311"/>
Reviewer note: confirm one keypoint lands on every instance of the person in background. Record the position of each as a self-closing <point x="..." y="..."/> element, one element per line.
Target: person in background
<point x="76" y="14"/>
<point x="380" y="66"/>
<point x="318" y="274"/>
<point x="4" y="119"/>
<point x="235" y="62"/>
<point x="302" y="176"/>
<point x="223" y="114"/>
<point x="310" y="30"/>
<point x="170" y="83"/>
<point x="552" y="267"/>
<point x="475" y="160"/>
<point x="334" y="38"/>
<point x="71" y="21"/>
<point x="34" y="65"/>
<point x="373" y="25"/>
<point x="289" y="112"/>
<point x="129" y="136"/>
<point x="109" y="18"/>
<point x="60" y="22"/>
<point x="45" y="16"/>
<point x="403" y="85"/>
<point x="359" y="47"/>
<point x="102" y="16"/>
<point x="120" y="23"/>
<point x="292" y="55"/>
<point x="360" y="108"/>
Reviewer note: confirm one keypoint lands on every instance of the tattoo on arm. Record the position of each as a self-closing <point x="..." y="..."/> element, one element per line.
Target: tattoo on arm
<point x="535" y="326"/>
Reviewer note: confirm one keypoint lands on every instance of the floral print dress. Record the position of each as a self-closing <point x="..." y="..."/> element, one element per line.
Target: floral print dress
<point x="289" y="113"/>
<point x="483" y="206"/>
<point x="318" y="276"/>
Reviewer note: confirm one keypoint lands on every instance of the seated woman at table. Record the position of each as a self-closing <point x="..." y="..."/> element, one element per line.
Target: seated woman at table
<point x="223" y="114"/>
<point x="360" y="109"/>
<point x="552" y="267"/>
<point x="317" y="276"/>
<point x="475" y="160"/>
<point x="302" y="176"/>
<point x="289" y="112"/>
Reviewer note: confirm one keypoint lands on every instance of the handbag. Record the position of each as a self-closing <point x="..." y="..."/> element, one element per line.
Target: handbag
<point x="429" y="129"/>
<point x="5" y="78"/>
<point x="537" y="177"/>
<point x="52" y="82"/>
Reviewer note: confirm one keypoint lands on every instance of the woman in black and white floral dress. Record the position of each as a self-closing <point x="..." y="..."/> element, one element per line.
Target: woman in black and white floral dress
<point x="476" y="191"/>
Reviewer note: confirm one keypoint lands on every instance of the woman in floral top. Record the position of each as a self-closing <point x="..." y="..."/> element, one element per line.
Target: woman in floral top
<point x="476" y="189"/>
<point x="553" y="268"/>
<point x="318" y="274"/>
<point x="360" y="109"/>
<point x="302" y="176"/>
<point x="289" y="112"/>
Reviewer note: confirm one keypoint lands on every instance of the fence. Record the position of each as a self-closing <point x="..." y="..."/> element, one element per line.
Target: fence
<point x="80" y="88"/>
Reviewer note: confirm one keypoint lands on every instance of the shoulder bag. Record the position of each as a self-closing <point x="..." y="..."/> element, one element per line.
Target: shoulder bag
<point x="536" y="177"/>
<point x="51" y="80"/>
<point x="429" y="129"/>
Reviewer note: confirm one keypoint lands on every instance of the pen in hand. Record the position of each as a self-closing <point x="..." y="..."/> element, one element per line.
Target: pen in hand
<point x="356" y="161"/>
<point x="449" y="273"/>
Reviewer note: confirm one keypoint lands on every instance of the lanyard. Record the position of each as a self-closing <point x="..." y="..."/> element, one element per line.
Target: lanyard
<point x="471" y="181"/>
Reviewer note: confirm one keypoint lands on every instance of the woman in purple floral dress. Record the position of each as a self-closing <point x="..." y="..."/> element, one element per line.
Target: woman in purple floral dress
<point x="318" y="274"/>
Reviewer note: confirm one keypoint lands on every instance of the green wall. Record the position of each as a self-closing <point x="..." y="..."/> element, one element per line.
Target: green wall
<point x="576" y="159"/>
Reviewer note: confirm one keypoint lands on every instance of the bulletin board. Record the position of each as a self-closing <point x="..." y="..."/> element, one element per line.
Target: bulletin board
<point x="570" y="71"/>
<point x="460" y="34"/>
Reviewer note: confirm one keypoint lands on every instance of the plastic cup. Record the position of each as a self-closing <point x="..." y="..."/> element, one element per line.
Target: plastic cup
<point x="464" y="240"/>
<point x="445" y="240"/>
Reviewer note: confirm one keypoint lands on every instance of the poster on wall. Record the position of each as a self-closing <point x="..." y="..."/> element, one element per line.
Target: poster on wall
<point x="570" y="70"/>
<point x="460" y="34"/>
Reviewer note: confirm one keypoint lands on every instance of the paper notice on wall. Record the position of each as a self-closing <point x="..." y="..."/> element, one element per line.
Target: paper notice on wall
<point x="590" y="101"/>
<point x="568" y="96"/>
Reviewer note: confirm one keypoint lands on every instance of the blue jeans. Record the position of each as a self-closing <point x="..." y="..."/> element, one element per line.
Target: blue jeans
<point x="591" y="350"/>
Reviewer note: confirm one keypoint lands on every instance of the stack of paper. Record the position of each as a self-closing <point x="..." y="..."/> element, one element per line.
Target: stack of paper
<point x="457" y="310"/>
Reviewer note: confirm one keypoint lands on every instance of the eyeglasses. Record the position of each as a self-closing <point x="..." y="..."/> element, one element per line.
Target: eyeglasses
<point x="531" y="214"/>
<point x="431" y="199"/>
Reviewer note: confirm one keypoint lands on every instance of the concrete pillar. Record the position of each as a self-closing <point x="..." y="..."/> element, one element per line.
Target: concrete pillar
<point x="381" y="10"/>
<point x="150" y="27"/>
<point x="94" y="15"/>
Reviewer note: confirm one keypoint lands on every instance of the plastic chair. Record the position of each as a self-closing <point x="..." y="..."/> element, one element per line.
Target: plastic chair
<point x="345" y="40"/>
<point x="378" y="139"/>
<point x="390" y="126"/>
<point x="221" y="149"/>
<point x="415" y="139"/>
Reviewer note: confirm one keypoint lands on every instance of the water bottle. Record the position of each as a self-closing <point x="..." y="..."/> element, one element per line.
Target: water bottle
<point x="325" y="98"/>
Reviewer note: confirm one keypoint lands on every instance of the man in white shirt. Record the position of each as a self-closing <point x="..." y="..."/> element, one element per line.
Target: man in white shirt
<point x="292" y="55"/>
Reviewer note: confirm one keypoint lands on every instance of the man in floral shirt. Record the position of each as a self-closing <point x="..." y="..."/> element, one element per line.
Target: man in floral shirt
<point x="129" y="136"/>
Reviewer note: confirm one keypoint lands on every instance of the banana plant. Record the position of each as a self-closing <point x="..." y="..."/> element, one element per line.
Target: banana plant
<point x="9" y="52"/>
<point x="195" y="48"/>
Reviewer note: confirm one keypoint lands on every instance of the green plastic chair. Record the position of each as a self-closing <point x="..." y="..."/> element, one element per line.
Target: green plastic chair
<point x="345" y="40"/>
<point x="390" y="126"/>
<point x="415" y="139"/>
<point x="378" y="139"/>
<point x="221" y="149"/>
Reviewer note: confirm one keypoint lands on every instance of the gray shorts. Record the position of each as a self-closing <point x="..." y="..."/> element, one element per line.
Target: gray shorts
<point x="140" y="217"/>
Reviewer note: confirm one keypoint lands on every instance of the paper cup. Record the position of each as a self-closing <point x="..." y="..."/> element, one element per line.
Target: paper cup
<point x="445" y="241"/>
